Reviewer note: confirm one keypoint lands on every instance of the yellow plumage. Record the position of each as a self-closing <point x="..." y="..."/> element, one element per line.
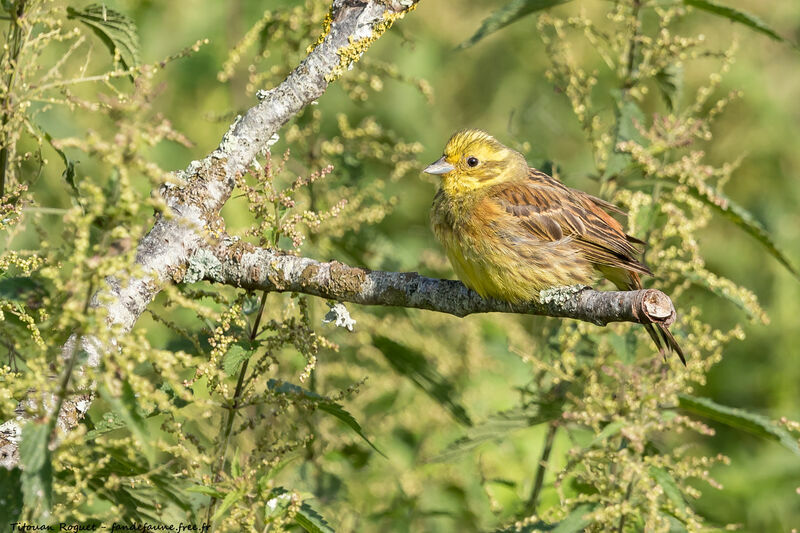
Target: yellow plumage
<point x="511" y="231"/>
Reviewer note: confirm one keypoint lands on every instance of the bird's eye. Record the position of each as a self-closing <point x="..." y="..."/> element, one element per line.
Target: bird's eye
<point x="472" y="161"/>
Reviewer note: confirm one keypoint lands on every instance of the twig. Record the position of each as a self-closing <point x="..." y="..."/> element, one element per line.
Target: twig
<point x="237" y="397"/>
<point x="264" y="269"/>
<point x="538" y="483"/>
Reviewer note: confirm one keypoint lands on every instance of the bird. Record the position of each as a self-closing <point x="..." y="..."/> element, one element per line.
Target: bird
<point x="511" y="231"/>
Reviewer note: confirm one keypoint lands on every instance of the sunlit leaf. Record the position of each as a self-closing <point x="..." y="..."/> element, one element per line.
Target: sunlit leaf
<point x="234" y="358"/>
<point x="227" y="502"/>
<point x="724" y="291"/>
<point x="310" y="520"/>
<point x="610" y="430"/>
<point x="323" y="404"/>
<point x="742" y="218"/>
<point x="756" y="424"/>
<point x="511" y="12"/>
<point x="413" y="365"/>
<point x="735" y="15"/>
<point x="117" y="31"/>
<point x="208" y="491"/>
<point x="669" y="485"/>
<point x="109" y="422"/>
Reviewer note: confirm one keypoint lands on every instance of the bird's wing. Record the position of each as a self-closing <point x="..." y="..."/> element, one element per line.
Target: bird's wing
<point x="549" y="211"/>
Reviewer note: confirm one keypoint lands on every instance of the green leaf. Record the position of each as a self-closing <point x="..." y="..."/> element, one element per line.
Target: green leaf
<point x="236" y="469"/>
<point x="109" y="422"/>
<point x="724" y="292"/>
<point x="742" y="218"/>
<point x="574" y="522"/>
<point x="37" y="469"/>
<point x="735" y="15"/>
<point x="756" y="424"/>
<point x="69" y="165"/>
<point x="208" y="491"/>
<point x="310" y="520"/>
<point x="511" y="12"/>
<point x="628" y="116"/>
<point x="667" y="482"/>
<point x="497" y="426"/>
<point x="21" y="289"/>
<point x="117" y="31"/>
<point x="10" y="497"/>
<point x="227" y="502"/>
<point x="278" y="501"/>
<point x="127" y="408"/>
<point x="610" y="430"/>
<point x="234" y="358"/>
<point x="323" y="404"/>
<point x="670" y="82"/>
<point x="413" y="365"/>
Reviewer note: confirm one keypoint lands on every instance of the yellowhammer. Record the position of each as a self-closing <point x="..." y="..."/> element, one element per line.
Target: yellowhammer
<point x="511" y="231"/>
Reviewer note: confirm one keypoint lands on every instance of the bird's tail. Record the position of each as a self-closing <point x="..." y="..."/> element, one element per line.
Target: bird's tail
<point x="661" y="335"/>
<point x="664" y="340"/>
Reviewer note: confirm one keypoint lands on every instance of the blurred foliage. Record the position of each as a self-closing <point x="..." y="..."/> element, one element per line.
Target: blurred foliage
<point x="246" y="411"/>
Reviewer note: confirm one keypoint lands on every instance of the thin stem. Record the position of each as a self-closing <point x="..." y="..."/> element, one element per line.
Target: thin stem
<point x="538" y="483"/>
<point x="237" y="396"/>
<point x="16" y="47"/>
<point x="631" y="66"/>
<point x="67" y="376"/>
<point x="623" y="515"/>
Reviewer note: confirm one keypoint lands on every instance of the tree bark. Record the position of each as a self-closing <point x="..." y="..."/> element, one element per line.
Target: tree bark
<point x="260" y="269"/>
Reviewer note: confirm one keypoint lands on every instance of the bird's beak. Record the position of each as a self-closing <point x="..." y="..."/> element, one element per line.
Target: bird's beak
<point x="439" y="167"/>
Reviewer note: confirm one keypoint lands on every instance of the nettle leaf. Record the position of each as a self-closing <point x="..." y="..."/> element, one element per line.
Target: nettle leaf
<point x="109" y="422"/>
<point x="236" y="355"/>
<point x="208" y="491"/>
<point x="574" y="522"/>
<point x="227" y="502"/>
<point x="498" y="426"/>
<point x="611" y="429"/>
<point x="310" y="520"/>
<point x="511" y="12"/>
<point x="670" y="83"/>
<point x="756" y="424"/>
<point x="723" y="291"/>
<point x="669" y="485"/>
<point x="735" y="15"/>
<point x="414" y="366"/>
<point x="127" y="408"/>
<point x="37" y="469"/>
<point x="117" y="31"/>
<point x="628" y="116"/>
<point x="21" y="289"/>
<point x="323" y="404"/>
<point x="10" y="495"/>
<point x="744" y="219"/>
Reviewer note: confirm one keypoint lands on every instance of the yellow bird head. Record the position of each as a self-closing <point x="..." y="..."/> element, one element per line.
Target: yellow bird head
<point x="474" y="159"/>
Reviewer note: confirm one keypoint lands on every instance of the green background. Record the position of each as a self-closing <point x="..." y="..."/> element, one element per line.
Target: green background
<point x="499" y="85"/>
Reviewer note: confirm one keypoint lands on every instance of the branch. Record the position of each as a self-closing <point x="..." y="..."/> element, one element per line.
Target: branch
<point x="242" y="265"/>
<point x="204" y="186"/>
